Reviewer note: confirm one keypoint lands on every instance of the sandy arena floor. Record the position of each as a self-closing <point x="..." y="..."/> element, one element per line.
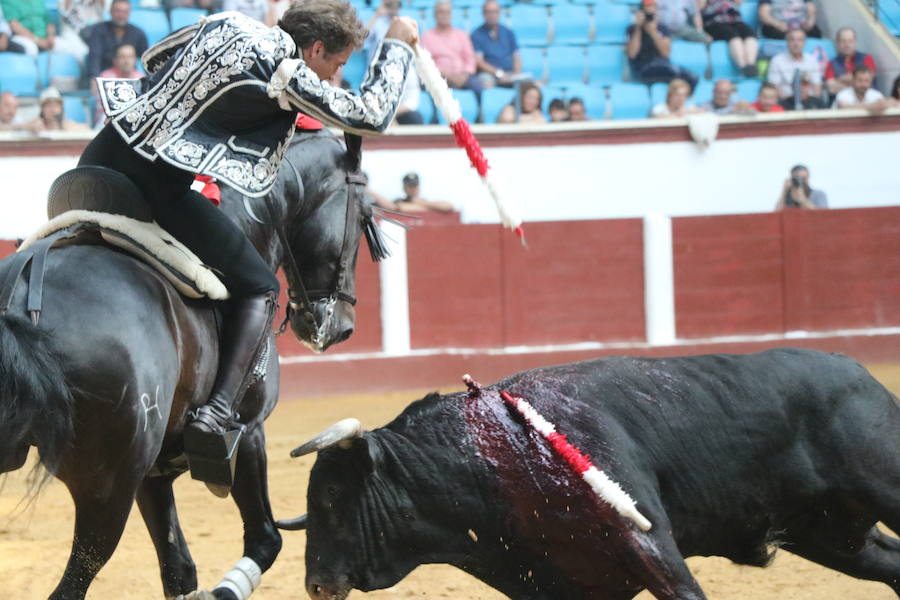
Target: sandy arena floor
<point x="35" y="540"/>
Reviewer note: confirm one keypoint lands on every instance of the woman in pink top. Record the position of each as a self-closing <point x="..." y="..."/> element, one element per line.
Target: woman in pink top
<point x="452" y="51"/>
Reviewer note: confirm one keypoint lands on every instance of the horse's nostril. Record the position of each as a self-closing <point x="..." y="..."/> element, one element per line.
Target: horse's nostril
<point x="345" y="334"/>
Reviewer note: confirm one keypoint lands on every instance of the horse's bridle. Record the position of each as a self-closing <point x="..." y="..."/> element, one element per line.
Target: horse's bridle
<point x="300" y="299"/>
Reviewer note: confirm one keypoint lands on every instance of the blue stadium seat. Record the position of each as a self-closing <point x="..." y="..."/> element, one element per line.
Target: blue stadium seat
<point x="594" y="102"/>
<point x="629" y="100"/>
<point x="612" y="21"/>
<point x="468" y="104"/>
<point x="722" y="65"/>
<point x="566" y="63"/>
<point x="703" y="92"/>
<point x="530" y="23"/>
<point x="493" y="100"/>
<point x="571" y="24"/>
<point x="690" y="55"/>
<point x="56" y="64"/>
<point x="827" y="52"/>
<point x="355" y="69"/>
<point x="74" y="109"/>
<point x="185" y="17"/>
<point x="658" y="93"/>
<point x="534" y="62"/>
<point x="18" y="74"/>
<point x="748" y="89"/>
<point x="750" y="14"/>
<point x="606" y="64"/>
<point x="889" y="13"/>
<point x="154" y="23"/>
<point x="426" y="108"/>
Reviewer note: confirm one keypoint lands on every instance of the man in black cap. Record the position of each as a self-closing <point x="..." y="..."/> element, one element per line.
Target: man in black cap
<point x="413" y="202"/>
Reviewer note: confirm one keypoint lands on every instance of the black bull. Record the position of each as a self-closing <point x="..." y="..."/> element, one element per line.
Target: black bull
<point x="726" y="455"/>
<point x="102" y="386"/>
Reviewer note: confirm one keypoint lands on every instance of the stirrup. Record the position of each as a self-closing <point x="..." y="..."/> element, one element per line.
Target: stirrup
<point x="212" y="457"/>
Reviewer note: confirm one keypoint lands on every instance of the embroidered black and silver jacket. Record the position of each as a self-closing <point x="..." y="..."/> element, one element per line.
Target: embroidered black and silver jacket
<point x="221" y="98"/>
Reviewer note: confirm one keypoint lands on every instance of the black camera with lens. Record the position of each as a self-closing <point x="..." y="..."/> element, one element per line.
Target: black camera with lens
<point x="648" y="15"/>
<point x="796" y="181"/>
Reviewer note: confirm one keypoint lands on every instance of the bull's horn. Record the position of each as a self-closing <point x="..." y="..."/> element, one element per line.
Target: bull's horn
<point x="339" y="432"/>
<point x="292" y="524"/>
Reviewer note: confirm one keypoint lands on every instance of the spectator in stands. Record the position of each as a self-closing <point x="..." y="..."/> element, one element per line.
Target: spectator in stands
<point x="52" y="117"/>
<point x="839" y="72"/>
<point x="676" y="104"/>
<point x="6" y="43"/>
<point x="76" y="16"/>
<point x="9" y="104"/>
<point x="767" y="100"/>
<point x="895" y="88"/>
<point x="255" y="9"/>
<point x="861" y="94"/>
<point x="785" y="67"/>
<point x="103" y="38"/>
<point x="496" y="50"/>
<point x="682" y="19"/>
<point x="796" y="192"/>
<point x="725" y="101"/>
<point x="649" y="47"/>
<point x="558" y="111"/>
<point x="378" y="25"/>
<point x="577" y="111"/>
<point x="452" y="51"/>
<point x="408" y="111"/>
<point x="778" y="17"/>
<point x="412" y="201"/>
<point x="723" y="21"/>
<point x="31" y="28"/>
<point x="801" y="99"/>
<point x="124" y="67"/>
<point x="529" y="109"/>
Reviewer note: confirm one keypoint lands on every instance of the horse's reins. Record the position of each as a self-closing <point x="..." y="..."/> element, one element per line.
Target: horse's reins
<point x="299" y="298"/>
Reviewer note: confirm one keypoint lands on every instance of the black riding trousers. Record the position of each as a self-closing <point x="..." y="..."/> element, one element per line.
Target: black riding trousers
<point x="188" y="215"/>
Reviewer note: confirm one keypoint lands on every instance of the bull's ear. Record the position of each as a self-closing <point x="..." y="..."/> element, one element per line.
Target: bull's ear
<point x="365" y="453"/>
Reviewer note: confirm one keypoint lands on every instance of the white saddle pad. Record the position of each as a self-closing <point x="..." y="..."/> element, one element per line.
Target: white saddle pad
<point x="148" y="242"/>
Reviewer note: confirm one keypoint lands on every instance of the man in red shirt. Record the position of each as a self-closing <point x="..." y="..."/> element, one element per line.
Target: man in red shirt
<point x="767" y="100"/>
<point x="839" y="71"/>
<point x="124" y="67"/>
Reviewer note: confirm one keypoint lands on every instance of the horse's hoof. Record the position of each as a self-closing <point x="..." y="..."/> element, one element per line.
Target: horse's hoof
<point x="221" y="491"/>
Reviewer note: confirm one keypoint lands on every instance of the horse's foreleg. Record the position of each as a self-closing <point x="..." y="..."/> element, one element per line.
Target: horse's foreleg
<point x="157" y="504"/>
<point x="99" y="522"/>
<point x="262" y="541"/>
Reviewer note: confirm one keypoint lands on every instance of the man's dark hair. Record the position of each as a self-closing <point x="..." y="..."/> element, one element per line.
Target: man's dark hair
<point x="557" y="104"/>
<point x="576" y="100"/>
<point x="117" y="1"/>
<point x="768" y="86"/>
<point x="862" y="69"/>
<point x="332" y="21"/>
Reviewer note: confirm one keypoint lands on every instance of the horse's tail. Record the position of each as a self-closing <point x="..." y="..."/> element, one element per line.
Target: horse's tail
<point x="36" y="406"/>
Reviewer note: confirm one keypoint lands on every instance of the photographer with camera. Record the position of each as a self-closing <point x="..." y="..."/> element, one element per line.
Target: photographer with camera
<point x="649" y="46"/>
<point x="796" y="192"/>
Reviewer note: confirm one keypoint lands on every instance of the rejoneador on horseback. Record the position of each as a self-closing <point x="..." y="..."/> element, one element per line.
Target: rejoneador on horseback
<point x="221" y="99"/>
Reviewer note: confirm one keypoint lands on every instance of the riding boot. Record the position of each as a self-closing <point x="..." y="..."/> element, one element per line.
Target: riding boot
<point x="211" y="439"/>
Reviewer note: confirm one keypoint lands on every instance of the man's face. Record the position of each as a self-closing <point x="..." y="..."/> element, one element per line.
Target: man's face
<point x="796" y="39"/>
<point x="411" y="189"/>
<point x="558" y="115"/>
<point x="767" y="99"/>
<point x="491" y="12"/>
<point x="576" y="112"/>
<point x="119" y="12"/>
<point x="8" y="107"/>
<point x="801" y="174"/>
<point x="126" y="59"/>
<point x="722" y="93"/>
<point x="51" y="109"/>
<point x="649" y="7"/>
<point x="862" y="81"/>
<point x="322" y="63"/>
<point x="442" y="15"/>
<point x="846" y="43"/>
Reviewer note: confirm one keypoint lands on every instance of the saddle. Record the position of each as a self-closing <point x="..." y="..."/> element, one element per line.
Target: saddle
<point x="96" y="205"/>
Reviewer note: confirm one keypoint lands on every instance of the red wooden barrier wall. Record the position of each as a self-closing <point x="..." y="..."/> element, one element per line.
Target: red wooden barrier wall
<point x="795" y="270"/>
<point x="476" y="286"/>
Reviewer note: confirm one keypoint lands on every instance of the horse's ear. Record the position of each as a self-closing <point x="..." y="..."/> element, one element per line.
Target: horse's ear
<point x="354" y="150"/>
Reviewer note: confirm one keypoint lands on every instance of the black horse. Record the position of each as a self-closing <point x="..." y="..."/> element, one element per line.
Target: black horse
<point x="103" y="385"/>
